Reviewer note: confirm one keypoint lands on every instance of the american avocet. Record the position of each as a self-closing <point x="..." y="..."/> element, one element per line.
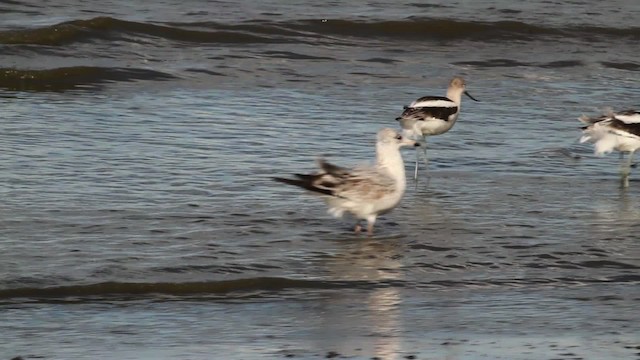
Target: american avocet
<point x="364" y="192"/>
<point x="619" y="131"/>
<point x="433" y="115"/>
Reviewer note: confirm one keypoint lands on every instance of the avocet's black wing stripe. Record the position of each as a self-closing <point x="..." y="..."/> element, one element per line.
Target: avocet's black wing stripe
<point x="426" y="113"/>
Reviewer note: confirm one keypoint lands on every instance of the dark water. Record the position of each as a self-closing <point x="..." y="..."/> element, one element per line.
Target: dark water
<point x="138" y="220"/>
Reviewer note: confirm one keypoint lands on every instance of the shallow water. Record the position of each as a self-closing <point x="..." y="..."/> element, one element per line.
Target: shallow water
<point x="139" y="219"/>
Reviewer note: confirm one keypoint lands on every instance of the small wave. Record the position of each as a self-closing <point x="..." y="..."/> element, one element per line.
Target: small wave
<point x="435" y="29"/>
<point x="122" y="289"/>
<point x="381" y="60"/>
<point x="294" y="56"/>
<point x="257" y="285"/>
<point x="53" y="35"/>
<point x="76" y="77"/>
<point x="447" y="29"/>
<point x="490" y="63"/>
<point x="527" y="282"/>
<point x="109" y="28"/>
<point x="207" y="72"/>
<point x="520" y="247"/>
<point x="435" y="6"/>
<point x="509" y="11"/>
<point x="305" y="31"/>
<point x="622" y="66"/>
<point x="561" y="64"/>
<point x="597" y="264"/>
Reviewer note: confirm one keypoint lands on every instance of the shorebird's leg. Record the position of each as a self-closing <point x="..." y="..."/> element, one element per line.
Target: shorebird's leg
<point x="370" y="221"/>
<point x="626" y="170"/>
<point x="415" y="169"/>
<point x="423" y="146"/>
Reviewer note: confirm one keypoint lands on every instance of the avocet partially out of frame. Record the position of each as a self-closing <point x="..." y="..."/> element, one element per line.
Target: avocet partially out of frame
<point x="619" y="131"/>
<point x="433" y="115"/>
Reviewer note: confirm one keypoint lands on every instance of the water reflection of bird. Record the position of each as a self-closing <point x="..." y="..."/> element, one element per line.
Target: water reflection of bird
<point x="379" y="263"/>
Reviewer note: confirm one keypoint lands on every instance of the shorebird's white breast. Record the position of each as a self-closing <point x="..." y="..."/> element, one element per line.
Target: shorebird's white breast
<point x="607" y="139"/>
<point x="627" y="142"/>
<point x="435" y="126"/>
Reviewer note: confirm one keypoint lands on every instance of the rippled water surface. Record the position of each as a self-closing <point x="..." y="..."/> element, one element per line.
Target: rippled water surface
<point x="139" y="220"/>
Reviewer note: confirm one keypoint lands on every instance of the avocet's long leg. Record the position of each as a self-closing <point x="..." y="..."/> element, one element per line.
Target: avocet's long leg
<point x="423" y="146"/>
<point x="424" y="152"/>
<point x="626" y="170"/>
<point x="415" y="169"/>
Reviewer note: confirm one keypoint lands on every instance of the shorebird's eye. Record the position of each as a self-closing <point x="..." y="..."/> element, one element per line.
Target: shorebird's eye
<point x="399" y="137"/>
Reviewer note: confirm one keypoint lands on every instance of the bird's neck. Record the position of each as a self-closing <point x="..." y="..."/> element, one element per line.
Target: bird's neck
<point x="455" y="95"/>
<point x="390" y="160"/>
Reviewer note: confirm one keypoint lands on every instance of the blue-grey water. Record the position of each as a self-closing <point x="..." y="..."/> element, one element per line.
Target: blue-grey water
<point x="138" y="219"/>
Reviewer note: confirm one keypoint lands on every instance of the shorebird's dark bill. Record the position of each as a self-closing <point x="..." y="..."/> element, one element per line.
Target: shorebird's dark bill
<point x="471" y="97"/>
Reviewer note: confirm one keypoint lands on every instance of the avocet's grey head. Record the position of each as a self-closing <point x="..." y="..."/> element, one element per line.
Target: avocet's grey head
<point x="389" y="136"/>
<point x="458" y="86"/>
